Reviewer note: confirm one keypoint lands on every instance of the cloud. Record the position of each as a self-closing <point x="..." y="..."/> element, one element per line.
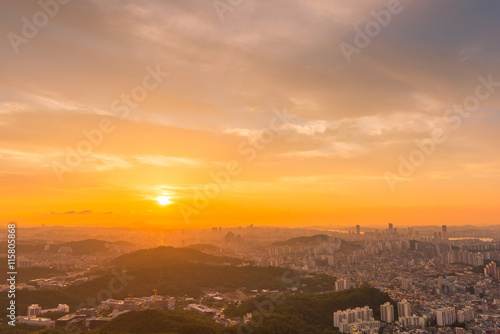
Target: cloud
<point x="159" y="160"/>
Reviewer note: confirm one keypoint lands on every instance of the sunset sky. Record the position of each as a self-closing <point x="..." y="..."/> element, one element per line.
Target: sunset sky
<point x="332" y="159"/>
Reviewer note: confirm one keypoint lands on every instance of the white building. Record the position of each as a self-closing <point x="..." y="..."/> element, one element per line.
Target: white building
<point x="371" y="326"/>
<point x="387" y="312"/>
<point x="33" y="310"/>
<point x="404" y="309"/>
<point x="42" y="322"/>
<point x="354" y="315"/>
<point x="59" y="308"/>
<point x="446" y="316"/>
<point x="356" y="320"/>
<point x="413" y="321"/>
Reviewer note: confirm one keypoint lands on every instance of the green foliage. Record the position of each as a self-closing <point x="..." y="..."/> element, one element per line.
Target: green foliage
<point x="192" y="279"/>
<point x="27" y="274"/>
<point x="46" y="298"/>
<point x="154" y="321"/>
<point x="18" y="329"/>
<point x="305" y="313"/>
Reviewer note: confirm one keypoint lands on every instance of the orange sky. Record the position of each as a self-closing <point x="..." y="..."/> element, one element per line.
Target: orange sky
<point x="161" y="96"/>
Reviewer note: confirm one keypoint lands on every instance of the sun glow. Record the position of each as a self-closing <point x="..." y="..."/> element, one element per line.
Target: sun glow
<point x="163" y="200"/>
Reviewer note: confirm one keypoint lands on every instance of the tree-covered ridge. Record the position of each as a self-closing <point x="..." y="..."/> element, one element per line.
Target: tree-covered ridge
<point x="286" y="313"/>
<point x="306" y="313"/>
<point x="179" y="277"/>
<point x="169" y="255"/>
<point x="154" y="321"/>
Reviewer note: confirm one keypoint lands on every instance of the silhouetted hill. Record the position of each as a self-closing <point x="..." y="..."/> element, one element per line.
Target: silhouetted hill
<point x="168" y="256"/>
<point x="180" y="276"/>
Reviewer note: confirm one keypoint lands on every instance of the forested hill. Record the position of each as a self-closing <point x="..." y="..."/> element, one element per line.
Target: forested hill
<point x="169" y="256"/>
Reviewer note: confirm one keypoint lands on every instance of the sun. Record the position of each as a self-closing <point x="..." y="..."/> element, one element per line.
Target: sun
<point x="163" y="200"/>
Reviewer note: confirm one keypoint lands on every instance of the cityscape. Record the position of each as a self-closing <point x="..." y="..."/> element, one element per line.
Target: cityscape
<point x="416" y="279"/>
<point x="250" y="167"/>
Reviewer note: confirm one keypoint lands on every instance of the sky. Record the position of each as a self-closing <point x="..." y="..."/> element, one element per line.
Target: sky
<point x="283" y="112"/>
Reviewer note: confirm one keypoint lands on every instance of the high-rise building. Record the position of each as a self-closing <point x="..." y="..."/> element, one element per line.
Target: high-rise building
<point x="490" y="270"/>
<point x="444" y="233"/>
<point x="360" y="317"/>
<point x="405" y="283"/>
<point x="404" y="309"/>
<point x="446" y="316"/>
<point x="413" y="321"/>
<point x="34" y="310"/>
<point x="465" y="315"/>
<point x="391" y="228"/>
<point x="342" y="284"/>
<point x="358" y="229"/>
<point x="440" y="282"/>
<point x="387" y="312"/>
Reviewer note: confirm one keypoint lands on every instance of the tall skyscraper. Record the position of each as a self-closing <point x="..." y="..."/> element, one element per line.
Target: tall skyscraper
<point x="358" y="229"/>
<point x="387" y="312"/>
<point x="391" y="228"/>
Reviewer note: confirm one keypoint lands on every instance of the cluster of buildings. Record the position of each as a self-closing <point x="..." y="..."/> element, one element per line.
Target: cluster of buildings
<point x="448" y="316"/>
<point x="34" y="318"/>
<point x="91" y="317"/>
<point x="342" y="284"/>
<point x="358" y="320"/>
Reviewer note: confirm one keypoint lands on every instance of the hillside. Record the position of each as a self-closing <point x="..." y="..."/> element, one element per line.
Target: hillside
<point x="183" y="272"/>
<point x="169" y="256"/>
<point x="90" y="246"/>
<point x="27" y="274"/>
<point x="154" y="321"/>
<point x="309" y="313"/>
<point x="295" y="314"/>
<point x="205" y="247"/>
